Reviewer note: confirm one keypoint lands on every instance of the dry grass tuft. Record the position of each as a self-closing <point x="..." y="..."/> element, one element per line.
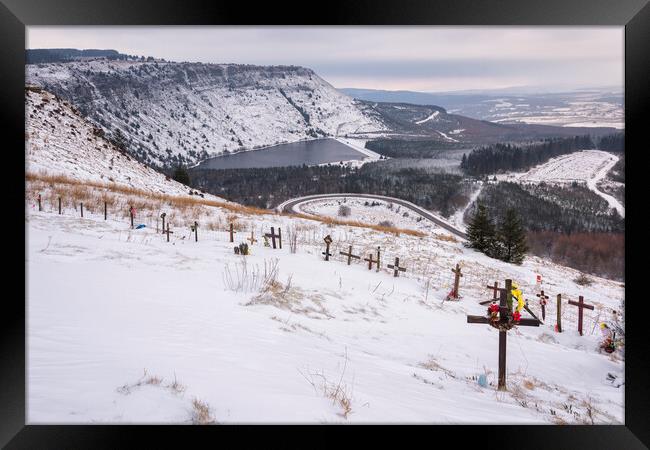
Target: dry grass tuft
<point x="201" y="413"/>
<point x="339" y="393"/>
<point x="445" y="237"/>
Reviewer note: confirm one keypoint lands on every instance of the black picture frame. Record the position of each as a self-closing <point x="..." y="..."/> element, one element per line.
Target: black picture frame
<point x="15" y="15"/>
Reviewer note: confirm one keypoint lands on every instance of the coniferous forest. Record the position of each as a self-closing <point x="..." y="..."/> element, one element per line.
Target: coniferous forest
<point x="570" y="225"/>
<point x="509" y="157"/>
<point x="410" y="148"/>
<point x="612" y="142"/>
<point x="267" y="187"/>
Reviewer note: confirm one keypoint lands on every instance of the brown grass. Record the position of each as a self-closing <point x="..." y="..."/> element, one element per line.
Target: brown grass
<point x="353" y="223"/>
<point x="74" y="191"/>
<point x="201" y="413"/>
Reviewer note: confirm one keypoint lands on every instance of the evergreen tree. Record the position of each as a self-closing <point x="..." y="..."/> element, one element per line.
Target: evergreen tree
<point x="512" y="238"/>
<point x="480" y="231"/>
<point x="181" y="175"/>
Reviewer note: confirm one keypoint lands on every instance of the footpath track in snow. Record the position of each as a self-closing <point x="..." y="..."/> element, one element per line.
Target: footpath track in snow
<point x="290" y="205"/>
<point x="587" y="166"/>
<point x="593" y="185"/>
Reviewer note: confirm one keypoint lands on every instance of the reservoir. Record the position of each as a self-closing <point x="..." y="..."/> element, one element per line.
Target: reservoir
<point x="318" y="151"/>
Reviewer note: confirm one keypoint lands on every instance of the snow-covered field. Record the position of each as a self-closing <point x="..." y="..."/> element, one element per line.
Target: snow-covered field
<point x="325" y="342"/>
<point x="587" y="167"/>
<point x="360" y="210"/>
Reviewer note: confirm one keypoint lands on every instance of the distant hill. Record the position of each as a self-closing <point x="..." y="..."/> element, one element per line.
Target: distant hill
<point x="597" y="107"/>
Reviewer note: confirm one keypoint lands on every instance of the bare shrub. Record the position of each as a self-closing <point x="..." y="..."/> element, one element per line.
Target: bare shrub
<point x="583" y="280"/>
<point x="292" y="235"/>
<point x="386" y="224"/>
<point x="344" y="211"/>
<point x="242" y="278"/>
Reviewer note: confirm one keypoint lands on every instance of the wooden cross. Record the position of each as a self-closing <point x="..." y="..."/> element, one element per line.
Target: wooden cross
<point x="328" y="241"/>
<point x="457" y="275"/>
<point x="272" y="235"/>
<point x="232" y="232"/>
<point x="559" y="313"/>
<point x="162" y="216"/>
<point x="168" y="232"/>
<point x="349" y="255"/>
<point x="252" y="238"/>
<point x="82" y="209"/>
<point x="580" y="304"/>
<point x="370" y="261"/>
<point x="195" y="228"/>
<point x="396" y="268"/>
<point x="505" y="314"/>
<point x="495" y="288"/>
<point x="542" y="302"/>
<point x="280" y="237"/>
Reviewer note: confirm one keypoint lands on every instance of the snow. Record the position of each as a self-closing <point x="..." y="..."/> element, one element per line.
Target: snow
<point x="458" y="218"/>
<point x="587" y="167"/>
<point x="105" y="303"/>
<point x="60" y="142"/>
<point x="427" y="119"/>
<point x="212" y="111"/>
<point x="447" y="137"/>
<point x="383" y="211"/>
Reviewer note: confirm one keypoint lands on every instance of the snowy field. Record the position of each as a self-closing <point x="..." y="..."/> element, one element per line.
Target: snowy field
<point x="586" y="167"/>
<point x="325" y="342"/>
<point x="360" y="209"/>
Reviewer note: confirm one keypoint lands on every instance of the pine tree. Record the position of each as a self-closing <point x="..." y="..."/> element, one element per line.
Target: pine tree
<point x="512" y="238"/>
<point x="480" y="231"/>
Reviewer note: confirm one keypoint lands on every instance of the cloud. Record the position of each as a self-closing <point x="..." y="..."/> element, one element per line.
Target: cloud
<point x="480" y="57"/>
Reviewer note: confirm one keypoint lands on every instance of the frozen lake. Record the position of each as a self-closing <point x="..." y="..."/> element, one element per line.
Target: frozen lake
<point x="318" y="151"/>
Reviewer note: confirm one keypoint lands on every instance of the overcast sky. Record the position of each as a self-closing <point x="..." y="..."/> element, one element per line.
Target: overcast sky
<point x="409" y="58"/>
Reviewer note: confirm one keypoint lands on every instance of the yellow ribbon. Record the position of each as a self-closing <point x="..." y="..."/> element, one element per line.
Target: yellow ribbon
<point x="517" y="294"/>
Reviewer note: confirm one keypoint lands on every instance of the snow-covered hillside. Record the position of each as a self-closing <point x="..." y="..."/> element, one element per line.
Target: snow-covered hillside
<point x="184" y="112"/>
<point x="586" y="167"/>
<point x="316" y="342"/>
<point x="58" y="141"/>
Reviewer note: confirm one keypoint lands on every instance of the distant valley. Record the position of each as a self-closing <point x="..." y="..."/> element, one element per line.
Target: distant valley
<point x="174" y="113"/>
<point x="583" y="108"/>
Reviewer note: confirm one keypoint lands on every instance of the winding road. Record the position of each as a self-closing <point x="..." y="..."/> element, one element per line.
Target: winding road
<point x="289" y="206"/>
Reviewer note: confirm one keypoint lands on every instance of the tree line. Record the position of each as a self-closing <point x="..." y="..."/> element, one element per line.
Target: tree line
<point x="405" y="148"/>
<point x="612" y="142"/>
<point x="267" y="187"/>
<point x="509" y="157"/>
<point x="546" y="207"/>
